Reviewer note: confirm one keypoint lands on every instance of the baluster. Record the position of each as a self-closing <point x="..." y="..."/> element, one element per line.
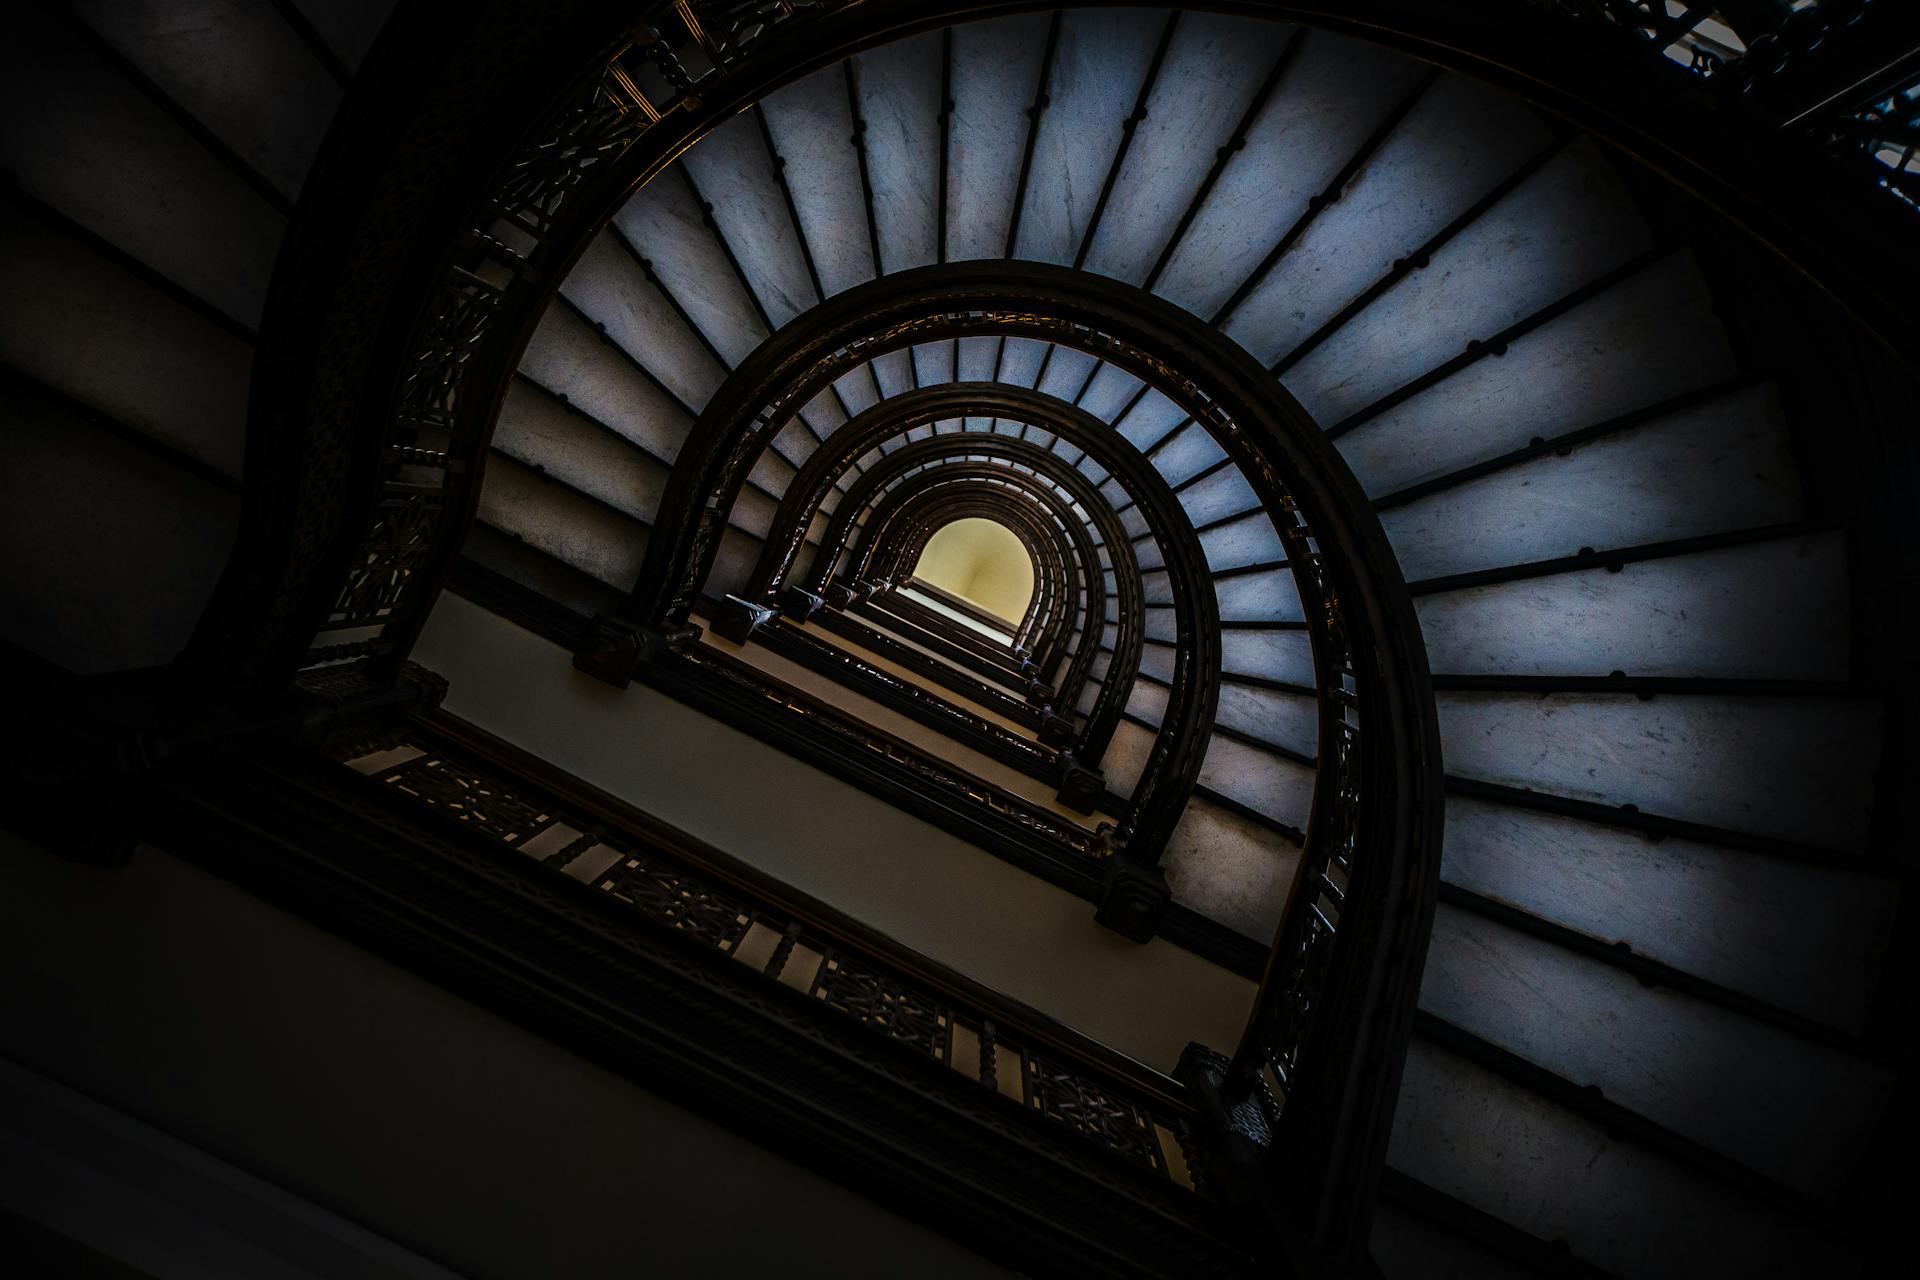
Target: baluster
<point x="782" y="950"/>
<point x="559" y="859"/>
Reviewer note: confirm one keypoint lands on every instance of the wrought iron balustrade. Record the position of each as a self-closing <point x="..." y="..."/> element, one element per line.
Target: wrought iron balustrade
<point x="1093" y="1094"/>
<point x="617" y="98"/>
<point x="1845" y="74"/>
<point x="587" y="137"/>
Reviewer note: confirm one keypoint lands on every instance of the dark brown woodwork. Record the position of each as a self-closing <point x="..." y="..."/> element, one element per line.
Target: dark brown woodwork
<point x="1142" y="483"/>
<point x="909" y="514"/>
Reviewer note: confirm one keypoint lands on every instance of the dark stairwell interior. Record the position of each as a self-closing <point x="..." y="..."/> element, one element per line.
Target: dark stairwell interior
<point x="1436" y="808"/>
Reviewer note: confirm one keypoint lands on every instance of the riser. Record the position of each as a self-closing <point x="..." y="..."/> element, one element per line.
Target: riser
<point x="238" y="69"/>
<point x="1721" y="467"/>
<point x="85" y="141"/>
<point x="516" y="501"/>
<point x="1803" y="938"/>
<point x="1775" y="610"/>
<point x="811" y="124"/>
<point x="898" y="87"/>
<point x="1331" y="98"/>
<point x="607" y="285"/>
<point x="567" y="358"/>
<point x="1186" y="453"/>
<point x="1557" y="1175"/>
<point x="1278" y="788"/>
<point x="732" y="170"/>
<point x="1793" y="769"/>
<point x="1566" y="225"/>
<point x="85" y="327"/>
<point x="1646" y="339"/>
<point x="1213" y="69"/>
<point x="1229" y="868"/>
<point x="536" y="428"/>
<point x="1099" y="60"/>
<point x="1706" y="1073"/>
<point x="1460" y="142"/>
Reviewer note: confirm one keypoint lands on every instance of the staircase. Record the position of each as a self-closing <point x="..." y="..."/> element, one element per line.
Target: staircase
<point x="1643" y="1045"/>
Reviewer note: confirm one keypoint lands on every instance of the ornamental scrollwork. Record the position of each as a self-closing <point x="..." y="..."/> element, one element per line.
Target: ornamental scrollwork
<point x="534" y="212"/>
<point x="657" y="888"/>
<point x="887" y="1005"/>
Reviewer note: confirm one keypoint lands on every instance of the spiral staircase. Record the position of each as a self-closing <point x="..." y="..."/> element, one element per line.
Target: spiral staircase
<point x="1634" y="519"/>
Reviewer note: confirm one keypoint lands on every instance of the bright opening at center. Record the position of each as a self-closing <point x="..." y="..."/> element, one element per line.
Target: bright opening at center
<point x="981" y="562"/>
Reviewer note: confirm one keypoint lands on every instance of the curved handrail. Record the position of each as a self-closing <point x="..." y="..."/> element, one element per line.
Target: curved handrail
<point x="1373" y="834"/>
<point x="532" y="795"/>
<point x="1018" y="503"/>
<point x="1181" y="554"/>
<point x="1129" y="627"/>
<point x="444" y="335"/>
<point x="1091" y="583"/>
<point x="421" y="255"/>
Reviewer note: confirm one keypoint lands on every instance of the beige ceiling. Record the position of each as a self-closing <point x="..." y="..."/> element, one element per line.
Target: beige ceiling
<point x="981" y="562"/>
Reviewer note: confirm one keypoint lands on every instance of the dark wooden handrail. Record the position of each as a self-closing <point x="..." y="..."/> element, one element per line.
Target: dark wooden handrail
<point x="471" y="170"/>
<point x="1018" y="1019"/>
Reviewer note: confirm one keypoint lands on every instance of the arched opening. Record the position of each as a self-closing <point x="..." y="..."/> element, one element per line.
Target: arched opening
<point x="981" y="562"/>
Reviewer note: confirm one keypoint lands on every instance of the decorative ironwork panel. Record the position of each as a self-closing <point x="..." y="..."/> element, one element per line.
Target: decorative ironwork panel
<point x="1887" y="134"/>
<point x="734" y="30"/>
<point x="605" y="118"/>
<point x="884" y="1003"/>
<point x="430" y="395"/>
<point x="471" y="796"/>
<point x="1092" y="1112"/>
<point x="680" y="900"/>
<point x="667" y="894"/>
<point x="394" y="552"/>
<point x="1303" y="967"/>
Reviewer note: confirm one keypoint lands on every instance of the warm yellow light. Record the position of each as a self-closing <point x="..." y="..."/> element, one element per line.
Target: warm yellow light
<point x="981" y="562"/>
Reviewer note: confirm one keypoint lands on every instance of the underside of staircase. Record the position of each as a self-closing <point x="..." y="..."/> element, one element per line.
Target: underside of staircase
<point x="1650" y="493"/>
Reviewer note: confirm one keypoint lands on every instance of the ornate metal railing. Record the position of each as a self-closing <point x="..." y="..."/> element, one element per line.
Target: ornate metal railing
<point x="357" y="495"/>
<point x="404" y="428"/>
<point x="1091" y="1093"/>
<point x="402" y="425"/>
<point x="1332" y="1011"/>
<point x="1074" y="843"/>
<point x="1843" y="73"/>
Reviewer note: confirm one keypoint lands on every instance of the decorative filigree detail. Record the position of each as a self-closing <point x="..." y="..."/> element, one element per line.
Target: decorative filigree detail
<point x="606" y="117"/>
<point x="735" y="30"/>
<point x="1307" y="940"/>
<point x="1887" y="134"/>
<point x="1092" y="1112"/>
<point x="888" y="1005"/>
<point x="680" y="900"/>
<point x="430" y="395"/>
<point x="395" y="550"/>
<point x="470" y="796"/>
